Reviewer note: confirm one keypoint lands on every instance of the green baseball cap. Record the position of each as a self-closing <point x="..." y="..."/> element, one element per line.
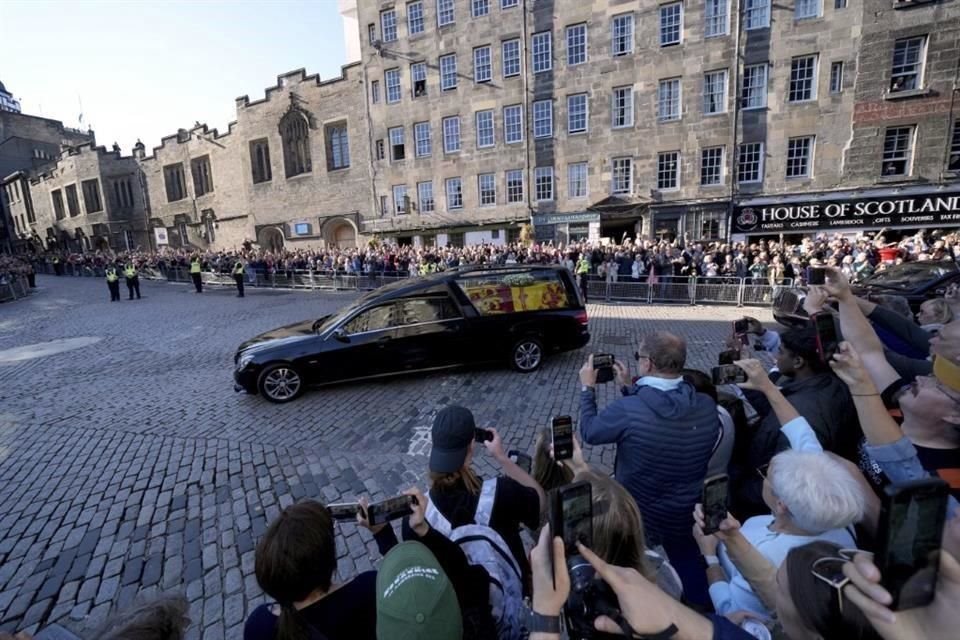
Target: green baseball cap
<point x="415" y="600"/>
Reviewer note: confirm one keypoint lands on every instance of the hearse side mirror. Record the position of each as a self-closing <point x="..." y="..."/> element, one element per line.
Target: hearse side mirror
<point x="341" y="335"/>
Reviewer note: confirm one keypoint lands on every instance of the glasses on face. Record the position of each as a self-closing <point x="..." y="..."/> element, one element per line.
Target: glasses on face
<point x="637" y="355"/>
<point x="763" y="469"/>
<point x="830" y="571"/>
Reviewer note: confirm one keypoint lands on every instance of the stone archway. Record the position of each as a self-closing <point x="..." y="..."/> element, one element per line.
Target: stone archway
<point x="270" y="239"/>
<point x="340" y="233"/>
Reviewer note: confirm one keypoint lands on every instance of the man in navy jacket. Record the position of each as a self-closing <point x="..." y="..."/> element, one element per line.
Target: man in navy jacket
<point x="665" y="433"/>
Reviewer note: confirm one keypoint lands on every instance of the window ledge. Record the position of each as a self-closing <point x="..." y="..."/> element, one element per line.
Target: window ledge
<point x="714" y="115"/>
<point x="896" y="179"/>
<point x="906" y="94"/>
<point x="763" y="108"/>
<point x="301" y="176"/>
<point x="910" y="4"/>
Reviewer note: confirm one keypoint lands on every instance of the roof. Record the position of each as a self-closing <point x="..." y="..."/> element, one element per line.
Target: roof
<point x="2" y="88"/>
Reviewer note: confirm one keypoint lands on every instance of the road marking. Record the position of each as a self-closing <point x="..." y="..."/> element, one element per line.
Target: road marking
<point x="43" y="349"/>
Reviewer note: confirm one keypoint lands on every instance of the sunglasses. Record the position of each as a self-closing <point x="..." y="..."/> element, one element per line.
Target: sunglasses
<point x="830" y="571"/>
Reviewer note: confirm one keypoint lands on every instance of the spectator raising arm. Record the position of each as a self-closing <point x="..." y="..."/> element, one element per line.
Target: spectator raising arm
<point x="612" y="423"/>
<point x="797" y="429"/>
<point x="510" y="468"/>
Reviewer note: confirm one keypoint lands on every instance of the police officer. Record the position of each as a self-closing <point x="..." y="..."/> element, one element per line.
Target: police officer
<point x="113" y="283"/>
<point x="238" y="269"/>
<point x="583" y="270"/>
<point x="133" y="280"/>
<point x="195" y="274"/>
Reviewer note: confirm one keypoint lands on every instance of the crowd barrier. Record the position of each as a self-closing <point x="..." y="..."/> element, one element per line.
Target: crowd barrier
<point x="14" y="287"/>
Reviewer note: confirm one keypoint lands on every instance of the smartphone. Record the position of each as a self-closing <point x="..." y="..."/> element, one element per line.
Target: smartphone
<point x="571" y="515"/>
<point x="728" y="374"/>
<point x="603" y="365"/>
<point x="728" y="357"/>
<point x="816" y="276"/>
<point x="561" y="433"/>
<point x="714" y="503"/>
<point x="521" y="459"/>
<point x="390" y="509"/>
<point x="910" y="534"/>
<point x="828" y="335"/>
<point x="344" y="511"/>
<point x="482" y="435"/>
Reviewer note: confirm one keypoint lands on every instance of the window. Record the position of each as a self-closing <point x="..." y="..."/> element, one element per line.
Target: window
<point x="260" y="161"/>
<point x="398" y="149"/>
<point x="511" y="58"/>
<point x="479" y="8"/>
<point x="514" y="185"/>
<point x="577" y="113"/>
<point x="422" y="144"/>
<point x="487" y="184"/>
<point x="425" y="196"/>
<point x="375" y="91"/>
<point x="122" y="194"/>
<point x="427" y="310"/>
<point x="750" y="163"/>
<point x="400" y="204"/>
<point x="302" y="229"/>
<point x="388" y="25"/>
<point x="716" y="18"/>
<point x="543" y="119"/>
<point x="671" y="24"/>
<point x="668" y="170"/>
<point x="73" y="204"/>
<point x="392" y="80"/>
<point x="907" y="70"/>
<point x="174" y="182"/>
<point x="418" y="74"/>
<point x="621" y="35"/>
<point x="57" y="198"/>
<point x="91" y="195"/>
<point x="482" y="69"/>
<point x="803" y="79"/>
<point x="756" y="14"/>
<point x="484" y="124"/>
<point x="513" y="124"/>
<point x="754" y="95"/>
<point x="383" y="206"/>
<point x="622" y="182"/>
<point x="668" y="100"/>
<point x="451" y="134"/>
<point x="202" y="176"/>
<point x="543" y="183"/>
<point x="839" y="4"/>
<point x="444" y="12"/>
<point x="898" y="151"/>
<point x="715" y="92"/>
<point x="448" y="72"/>
<point x="799" y="155"/>
<point x="414" y="18"/>
<point x="836" y="77"/>
<point x="804" y="9"/>
<point x="576" y="44"/>
<point x="371" y="33"/>
<point x="381" y="155"/>
<point x="577" y="180"/>
<point x="454" y="187"/>
<point x="542" y="52"/>
<point x="295" y="135"/>
<point x="953" y="163"/>
<point x="375" y="319"/>
<point x="621" y="107"/>
<point x="337" y="146"/>
<point x="507" y="4"/>
<point x="711" y="166"/>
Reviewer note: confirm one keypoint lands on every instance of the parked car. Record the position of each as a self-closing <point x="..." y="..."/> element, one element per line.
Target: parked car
<point x="915" y="281"/>
<point x="516" y="315"/>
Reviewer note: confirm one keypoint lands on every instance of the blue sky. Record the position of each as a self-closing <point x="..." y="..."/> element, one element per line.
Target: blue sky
<point x="142" y="69"/>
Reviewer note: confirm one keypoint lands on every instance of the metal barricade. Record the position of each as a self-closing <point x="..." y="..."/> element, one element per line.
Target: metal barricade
<point x="673" y="290"/>
<point x="718" y="290"/>
<point x="760" y="292"/>
<point x="14" y="288"/>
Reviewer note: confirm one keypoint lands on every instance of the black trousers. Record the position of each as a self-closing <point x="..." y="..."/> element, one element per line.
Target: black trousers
<point x="114" y="290"/>
<point x="238" y="278"/>
<point x="133" y="286"/>
<point x="197" y="282"/>
<point x="582" y="283"/>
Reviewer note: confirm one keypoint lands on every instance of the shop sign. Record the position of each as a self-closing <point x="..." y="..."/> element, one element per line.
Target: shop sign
<point x="565" y="218"/>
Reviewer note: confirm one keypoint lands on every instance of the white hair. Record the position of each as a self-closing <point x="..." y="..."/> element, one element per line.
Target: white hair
<point x="819" y="491"/>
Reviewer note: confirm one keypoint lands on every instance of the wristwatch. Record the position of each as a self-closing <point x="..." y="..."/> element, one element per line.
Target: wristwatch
<point x="539" y="623"/>
<point x="586" y="387"/>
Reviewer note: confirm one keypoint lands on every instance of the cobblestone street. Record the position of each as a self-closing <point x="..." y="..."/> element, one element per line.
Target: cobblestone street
<point x="129" y="467"/>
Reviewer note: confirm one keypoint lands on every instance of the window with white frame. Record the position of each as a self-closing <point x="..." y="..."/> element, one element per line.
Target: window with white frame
<point x="839" y="4"/>
<point x="418" y="74"/>
<point x="756" y="14"/>
<point x="397" y="147"/>
<point x="754" y="94"/>
<point x="448" y="72"/>
<point x="716" y="18"/>
<point x="375" y="91"/>
<point x="425" y="197"/>
<point x="509" y="4"/>
<point x="451" y="134"/>
<point x="907" y="70"/>
<point x="711" y="166"/>
<point x="541" y="51"/>
<point x="898" y="151"/>
<point x="750" y="162"/>
<point x="543" y="183"/>
<point x="511" y="58"/>
<point x="484" y="123"/>
<point x="577" y="180"/>
<point x="621" y="35"/>
<point x="577" y="113"/>
<point x="715" y="92"/>
<point x="514" y="185"/>
<point x="668" y="170"/>
<point x="400" y="205"/>
<point x="445" y="14"/>
<point x="803" y="79"/>
<point x="482" y="67"/>
<point x="415" y="18"/>
<point x="487" y="186"/>
<point x="388" y="25"/>
<point x="454" y="190"/>
<point x="805" y="9"/>
<point x="391" y="78"/>
<point x="576" y="44"/>
<point x="671" y="24"/>
<point x="953" y="162"/>
<point x="479" y="8"/>
<point x="668" y="100"/>
<point x="423" y="144"/>
<point x="622" y="176"/>
<point x="836" y="77"/>
<point x="543" y="118"/>
<point x="513" y="123"/>
<point x="799" y="157"/>
<point x="371" y="33"/>
<point x="621" y="107"/>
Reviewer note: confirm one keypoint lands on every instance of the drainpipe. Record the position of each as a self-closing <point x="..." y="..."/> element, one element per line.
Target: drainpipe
<point x="370" y="143"/>
<point x="948" y="138"/>
<point x="736" y="120"/>
<point x="526" y="134"/>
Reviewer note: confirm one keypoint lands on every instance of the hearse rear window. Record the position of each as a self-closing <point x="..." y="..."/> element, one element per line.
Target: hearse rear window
<point x="497" y="293"/>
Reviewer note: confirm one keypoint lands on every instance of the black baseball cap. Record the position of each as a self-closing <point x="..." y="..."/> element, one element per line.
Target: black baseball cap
<point x="453" y="431"/>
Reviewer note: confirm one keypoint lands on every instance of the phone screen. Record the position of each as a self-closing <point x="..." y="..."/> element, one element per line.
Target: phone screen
<point x="482" y="435"/>
<point x="827" y="337"/>
<point x="728" y="374"/>
<point x="603" y="364"/>
<point x="817" y="276"/>
<point x="562" y="432"/>
<point x="714" y="503"/>
<point x="577" y="506"/>
<point x="344" y="511"/>
<point x="911" y="533"/>
<point x="389" y="509"/>
<point x="728" y="357"/>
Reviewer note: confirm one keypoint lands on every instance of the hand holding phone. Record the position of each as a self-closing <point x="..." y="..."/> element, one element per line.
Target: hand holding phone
<point x="817" y="276"/>
<point x="389" y="510"/>
<point x="482" y="435"/>
<point x="828" y="335"/>
<point x="344" y="511"/>
<point x="571" y="515"/>
<point x="561" y="437"/>
<point x="715" y="498"/>
<point x="728" y="374"/>
<point x="603" y="365"/>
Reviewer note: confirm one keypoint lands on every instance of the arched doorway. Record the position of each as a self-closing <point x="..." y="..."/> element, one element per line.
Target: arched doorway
<point x="340" y="233"/>
<point x="271" y="239"/>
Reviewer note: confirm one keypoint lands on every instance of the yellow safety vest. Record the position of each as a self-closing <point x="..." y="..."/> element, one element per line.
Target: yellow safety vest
<point x="238" y="269"/>
<point x="583" y="266"/>
<point x="112" y="275"/>
<point x="195" y="266"/>
<point x="130" y="271"/>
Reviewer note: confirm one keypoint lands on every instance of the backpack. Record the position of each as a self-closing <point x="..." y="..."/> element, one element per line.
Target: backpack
<point x="485" y="547"/>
